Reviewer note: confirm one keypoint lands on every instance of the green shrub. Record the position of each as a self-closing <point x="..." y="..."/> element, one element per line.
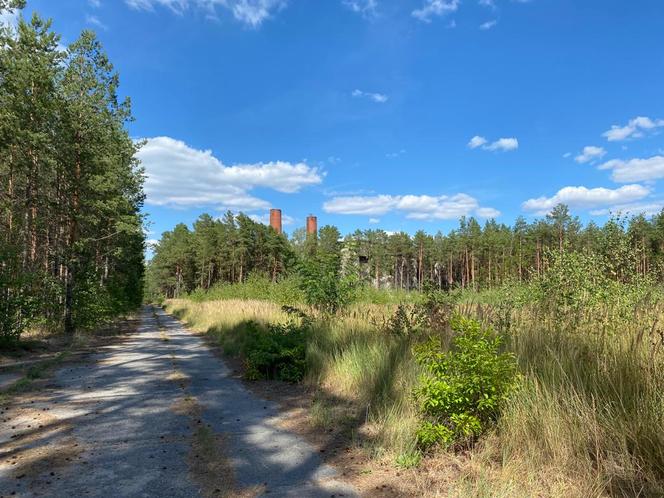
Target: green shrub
<point x="324" y="287"/>
<point x="276" y="351"/>
<point x="432" y="311"/>
<point x="462" y="390"/>
<point x="582" y="286"/>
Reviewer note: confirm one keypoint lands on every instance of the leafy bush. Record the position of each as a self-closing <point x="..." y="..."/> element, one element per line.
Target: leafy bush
<point x="582" y="285"/>
<point x="276" y="351"/>
<point x="462" y="390"/>
<point x="324" y="287"/>
<point x="432" y="312"/>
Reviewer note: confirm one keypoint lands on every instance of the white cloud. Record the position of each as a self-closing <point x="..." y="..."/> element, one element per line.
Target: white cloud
<point x="374" y="221"/>
<point x="502" y="144"/>
<point x="636" y="208"/>
<point x="95" y="3"/>
<point x="487" y="212"/>
<point x="567" y="154"/>
<point x="432" y="8"/>
<point x="590" y="153"/>
<point x="488" y="25"/>
<point x="418" y="207"/>
<point x="250" y="12"/>
<point x="357" y="204"/>
<point x="379" y="98"/>
<point x="488" y="3"/>
<point x="180" y="176"/>
<point x="587" y="198"/>
<point x="636" y="128"/>
<point x="366" y="8"/>
<point x="635" y="170"/>
<point x="94" y="21"/>
<point x="476" y="142"/>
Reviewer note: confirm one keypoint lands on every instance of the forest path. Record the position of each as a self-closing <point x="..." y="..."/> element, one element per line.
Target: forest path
<point x="157" y="414"/>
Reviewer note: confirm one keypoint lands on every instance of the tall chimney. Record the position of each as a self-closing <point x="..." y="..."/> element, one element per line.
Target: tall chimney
<point x="312" y="225"/>
<point x="275" y="219"/>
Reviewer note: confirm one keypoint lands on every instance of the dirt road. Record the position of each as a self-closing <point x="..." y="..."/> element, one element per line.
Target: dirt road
<point x="157" y="414"/>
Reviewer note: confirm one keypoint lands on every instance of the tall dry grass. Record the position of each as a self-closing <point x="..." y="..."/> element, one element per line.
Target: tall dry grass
<point x="588" y="420"/>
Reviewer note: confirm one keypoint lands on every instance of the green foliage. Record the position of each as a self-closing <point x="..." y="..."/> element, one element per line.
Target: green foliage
<point x="323" y="286"/>
<point x="285" y="291"/>
<point x="404" y="322"/>
<point x="432" y="311"/>
<point x="215" y="254"/>
<point x="17" y="306"/>
<point x="462" y="391"/>
<point x="276" y="351"/>
<point x="582" y="285"/>
<point x="409" y="460"/>
<point x="12" y="4"/>
<point x="71" y="186"/>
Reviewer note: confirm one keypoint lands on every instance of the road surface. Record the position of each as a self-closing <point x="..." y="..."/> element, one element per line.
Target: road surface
<point x="155" y="415"/>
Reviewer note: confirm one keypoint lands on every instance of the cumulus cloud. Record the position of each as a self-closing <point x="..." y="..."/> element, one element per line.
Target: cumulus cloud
<point x="635" y="128"/>
<point x="587" y="198"/>
<point x="635" y="170"/>
<point x="590" y="153"/>
<point x="502" y="144"/>
<point x="435" y="8"/>
<point x="487" y="212"/>
<point x="418" y="207"/>
<point x="366" y="8"/>
<point x="250" y="12"/>
<point x="379" y="98"/>
<point x="180" y="176"/>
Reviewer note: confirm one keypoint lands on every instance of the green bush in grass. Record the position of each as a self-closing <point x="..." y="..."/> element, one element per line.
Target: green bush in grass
<point x="276" y="351"/>
<point x="462" y="390"/>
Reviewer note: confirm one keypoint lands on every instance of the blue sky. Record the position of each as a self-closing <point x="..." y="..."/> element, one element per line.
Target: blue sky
<point x="392" y="114"/>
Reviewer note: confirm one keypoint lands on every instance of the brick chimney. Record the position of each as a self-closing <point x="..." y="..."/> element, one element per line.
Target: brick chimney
<point x="275" y="219"/>
<point x="312" y="225"/>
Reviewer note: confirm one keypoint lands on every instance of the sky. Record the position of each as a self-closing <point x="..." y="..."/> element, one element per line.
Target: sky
<point x="391" y="114"/>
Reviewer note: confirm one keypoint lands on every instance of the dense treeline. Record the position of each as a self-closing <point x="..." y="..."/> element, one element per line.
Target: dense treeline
<point x="226" y="250"/>
<point x="479" y="256"/>
<point x="471" y="256"/>
<point x="71" y="250"/>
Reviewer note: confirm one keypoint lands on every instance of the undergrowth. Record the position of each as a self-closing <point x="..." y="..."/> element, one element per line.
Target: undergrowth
<point x="586" y="419"/>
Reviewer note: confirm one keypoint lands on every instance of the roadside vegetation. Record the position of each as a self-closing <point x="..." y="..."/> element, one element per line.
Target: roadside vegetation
<point x="548" y="386"/>
<point x="71" y="232"/>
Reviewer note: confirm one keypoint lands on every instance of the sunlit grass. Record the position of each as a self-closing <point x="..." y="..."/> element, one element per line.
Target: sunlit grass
<point x="587" y="421"/>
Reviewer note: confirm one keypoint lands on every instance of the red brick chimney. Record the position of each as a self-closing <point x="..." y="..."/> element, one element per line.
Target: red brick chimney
<point x="275" y="219"/>
<point x="312" y="225"/>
